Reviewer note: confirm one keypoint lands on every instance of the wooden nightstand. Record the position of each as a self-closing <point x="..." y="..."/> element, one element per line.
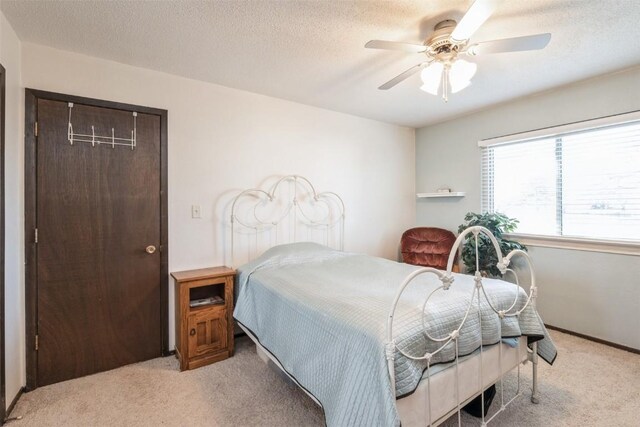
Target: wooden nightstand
<point x="204" y="333"/>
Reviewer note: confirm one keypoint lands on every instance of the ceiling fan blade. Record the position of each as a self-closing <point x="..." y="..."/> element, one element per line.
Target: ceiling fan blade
<point x="406" y="47"/>
<point x="479" y="12"/>
<point x="515" y="44"/>
<point x="401" y="77"/>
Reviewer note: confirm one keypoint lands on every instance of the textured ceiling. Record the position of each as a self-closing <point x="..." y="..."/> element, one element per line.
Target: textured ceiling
<point x="312" y="51"/>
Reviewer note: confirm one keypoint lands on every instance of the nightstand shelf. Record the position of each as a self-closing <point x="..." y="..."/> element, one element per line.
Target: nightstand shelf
<point x="204" y="333"/>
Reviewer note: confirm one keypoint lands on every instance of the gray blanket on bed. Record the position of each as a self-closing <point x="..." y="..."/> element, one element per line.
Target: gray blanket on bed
<point x="322" y="314"/>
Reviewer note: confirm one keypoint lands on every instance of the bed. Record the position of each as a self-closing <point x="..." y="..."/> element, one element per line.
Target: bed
<point x="373" y="341"/>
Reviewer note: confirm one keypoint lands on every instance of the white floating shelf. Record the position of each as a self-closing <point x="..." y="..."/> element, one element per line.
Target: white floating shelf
<point x="449" y="194"/>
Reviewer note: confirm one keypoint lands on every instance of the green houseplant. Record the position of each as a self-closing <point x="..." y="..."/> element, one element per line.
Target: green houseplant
<point x="498" y="224"/>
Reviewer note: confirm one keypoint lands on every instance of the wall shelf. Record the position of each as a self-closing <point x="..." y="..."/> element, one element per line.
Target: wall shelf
<point x="443" y="194"/>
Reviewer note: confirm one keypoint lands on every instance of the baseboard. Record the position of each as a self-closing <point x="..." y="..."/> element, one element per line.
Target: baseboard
<point x="14" y="402"/>
<point x="594" y="339"/>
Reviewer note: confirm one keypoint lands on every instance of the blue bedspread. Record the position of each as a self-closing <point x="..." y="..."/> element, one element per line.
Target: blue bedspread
<point x="323" y="313"/>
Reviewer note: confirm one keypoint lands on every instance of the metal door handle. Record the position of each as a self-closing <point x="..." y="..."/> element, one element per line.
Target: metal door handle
<point x="192" y="332"/>
<point x="150" y="249"/>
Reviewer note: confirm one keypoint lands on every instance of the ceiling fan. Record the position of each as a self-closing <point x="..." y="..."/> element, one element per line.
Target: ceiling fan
<point x="444" y="71"/>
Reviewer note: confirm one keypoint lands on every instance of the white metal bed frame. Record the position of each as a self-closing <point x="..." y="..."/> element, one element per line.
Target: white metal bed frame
<point x="447" y="280"/>
<point x="292" y="214"/>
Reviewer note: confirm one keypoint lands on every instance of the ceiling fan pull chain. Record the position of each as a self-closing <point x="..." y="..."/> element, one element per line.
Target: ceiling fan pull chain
<point x="445" y="83"/>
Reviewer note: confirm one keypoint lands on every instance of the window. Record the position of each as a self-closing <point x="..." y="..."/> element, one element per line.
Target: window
<point x="579" y="180"/>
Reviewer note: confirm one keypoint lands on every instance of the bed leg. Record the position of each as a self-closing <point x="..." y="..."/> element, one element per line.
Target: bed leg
<point x="534" y="363"/>
<point x="390" y="355"/>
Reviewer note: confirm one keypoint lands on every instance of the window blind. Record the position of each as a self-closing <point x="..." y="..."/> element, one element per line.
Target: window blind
<point x="580" y="183"/>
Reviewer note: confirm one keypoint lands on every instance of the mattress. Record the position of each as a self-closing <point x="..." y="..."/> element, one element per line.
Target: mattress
<point x="414" y="408"/>
<point x="322" y="314"/>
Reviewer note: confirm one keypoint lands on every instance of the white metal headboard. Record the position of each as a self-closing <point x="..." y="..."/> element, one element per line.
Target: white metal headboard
<point x="291" y="211"/>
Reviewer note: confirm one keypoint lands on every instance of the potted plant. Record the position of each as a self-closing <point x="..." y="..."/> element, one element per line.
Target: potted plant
<point x="498" y="224"/>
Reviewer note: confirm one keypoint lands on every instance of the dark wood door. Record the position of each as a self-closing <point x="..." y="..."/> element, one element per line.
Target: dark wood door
<point x="97" y="209"/>
<point x="2" y="241"/>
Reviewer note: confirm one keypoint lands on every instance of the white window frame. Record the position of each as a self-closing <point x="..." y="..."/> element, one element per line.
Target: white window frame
<point x="626" y="247"/>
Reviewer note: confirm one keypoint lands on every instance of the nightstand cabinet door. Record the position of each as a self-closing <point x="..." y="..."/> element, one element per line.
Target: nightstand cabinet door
<point x="207" y="331"/>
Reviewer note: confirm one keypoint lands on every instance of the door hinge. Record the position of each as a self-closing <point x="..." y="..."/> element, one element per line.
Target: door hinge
<point x="36" y="343"/>
<point x="35" y="128"/>
<point x="35" y="235"/>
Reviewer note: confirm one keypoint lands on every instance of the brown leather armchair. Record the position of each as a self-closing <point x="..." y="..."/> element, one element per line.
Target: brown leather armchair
<point x="427" y="247"/>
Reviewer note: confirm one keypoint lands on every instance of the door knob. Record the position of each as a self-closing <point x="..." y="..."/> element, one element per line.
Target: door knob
<point x="150" y="249"/>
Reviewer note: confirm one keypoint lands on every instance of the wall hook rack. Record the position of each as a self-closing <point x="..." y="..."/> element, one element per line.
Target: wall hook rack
<point x="95" y="140"/>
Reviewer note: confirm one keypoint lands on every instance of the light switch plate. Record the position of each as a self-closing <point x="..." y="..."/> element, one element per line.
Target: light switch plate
<point x="195" y="211"/>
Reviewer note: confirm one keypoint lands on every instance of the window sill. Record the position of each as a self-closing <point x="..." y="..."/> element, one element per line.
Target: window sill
<point x="578" y="244"/>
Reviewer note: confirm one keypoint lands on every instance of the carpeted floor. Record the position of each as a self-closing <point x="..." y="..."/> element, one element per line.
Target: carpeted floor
<point x="589" y="385"/>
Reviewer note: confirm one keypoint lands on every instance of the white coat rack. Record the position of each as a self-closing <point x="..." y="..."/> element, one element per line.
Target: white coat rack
<point x="95" y="140"/>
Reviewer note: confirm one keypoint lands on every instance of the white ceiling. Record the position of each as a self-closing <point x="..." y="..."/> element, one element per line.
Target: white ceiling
<point x="312" y="51"/>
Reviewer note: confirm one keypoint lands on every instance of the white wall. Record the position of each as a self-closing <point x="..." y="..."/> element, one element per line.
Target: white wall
<point x="222" y="140"/>
<point x="595" y="294"/>
<point x="14" y="223"/>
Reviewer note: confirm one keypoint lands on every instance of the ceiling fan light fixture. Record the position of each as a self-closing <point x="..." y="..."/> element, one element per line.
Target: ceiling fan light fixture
<point x="447" y="78"/>
<point x="457" y="86"/>
<point x="462" y="71"/>
<point x="431" y="77"/>
<point x="433" y="90"/>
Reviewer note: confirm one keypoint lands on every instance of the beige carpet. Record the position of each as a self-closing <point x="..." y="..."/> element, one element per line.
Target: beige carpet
<point x="589" y="385"/>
